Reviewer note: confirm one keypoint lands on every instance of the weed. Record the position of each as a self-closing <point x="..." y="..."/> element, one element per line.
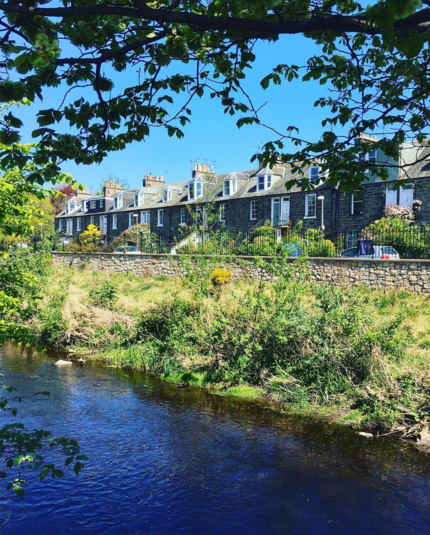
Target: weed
<point x="103" y="295"/>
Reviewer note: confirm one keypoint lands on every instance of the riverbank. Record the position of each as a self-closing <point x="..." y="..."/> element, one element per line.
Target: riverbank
<point x="354" y="356"/>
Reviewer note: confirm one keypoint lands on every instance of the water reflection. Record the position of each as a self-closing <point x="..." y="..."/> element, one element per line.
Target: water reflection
<point x="169" y="460"/>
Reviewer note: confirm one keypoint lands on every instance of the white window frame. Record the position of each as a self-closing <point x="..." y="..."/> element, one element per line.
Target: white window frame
<point x="160" y="217"/>
<point x="93" y="220"/>
<point x="166" y="195"/>
<point x="182" y="215"/>
<point x="60" y="225"/>
<point x="253" y="211"/>
<point x="370" y="156"/>
<point x="92" y="204"/>
<point x="199" y="186"/>
<point x="307" y="198"/>
<point x="78" y="224"/>
<point x="136" y="200"/>
<point x="226" y="188"/>
<point x="102" y="202"/>
<point x="229" y="187"/>
<point x="205" y="216"/>
<point x="145" y="217"/>
<point x="261" y="181"/>
<point x="114" y="221"/>
<point x="222" y="213"/>
<point x="118" y="202"/>
<point x="84" y="206"/>
<point x="264" y="182"/>
<point x="130" y="219"/>
<point x="312" y="177"/>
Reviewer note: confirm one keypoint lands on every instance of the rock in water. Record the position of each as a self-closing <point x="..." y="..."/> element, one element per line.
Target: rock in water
<point x="423" y="440"/>
<point x="63" y="363"/>
<point x="365" y="435"/>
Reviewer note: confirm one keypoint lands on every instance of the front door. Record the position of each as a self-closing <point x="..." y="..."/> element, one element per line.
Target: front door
<point x="285" y="211"/>
<point x="406" y="196"/>
<point x="103" y="224"/>
<point x="275" y="212"/>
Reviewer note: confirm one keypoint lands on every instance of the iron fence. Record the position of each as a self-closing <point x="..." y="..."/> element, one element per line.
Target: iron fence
<point x="412" y="242"/>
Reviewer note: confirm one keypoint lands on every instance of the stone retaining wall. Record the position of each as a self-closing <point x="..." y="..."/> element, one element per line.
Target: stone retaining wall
<point x="411" y="275"/>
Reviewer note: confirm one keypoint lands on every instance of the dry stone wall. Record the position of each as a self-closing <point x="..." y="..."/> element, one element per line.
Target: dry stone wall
<point x="410" y="275"/>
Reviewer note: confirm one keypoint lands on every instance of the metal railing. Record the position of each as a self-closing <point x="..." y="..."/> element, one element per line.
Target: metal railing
<point x="412" y="242"/>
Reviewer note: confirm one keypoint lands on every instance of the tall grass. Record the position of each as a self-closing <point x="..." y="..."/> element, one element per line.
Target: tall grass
<point x="301" y="344"/>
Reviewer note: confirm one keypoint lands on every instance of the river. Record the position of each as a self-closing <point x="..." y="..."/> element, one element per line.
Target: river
<point x="168" y="460"/>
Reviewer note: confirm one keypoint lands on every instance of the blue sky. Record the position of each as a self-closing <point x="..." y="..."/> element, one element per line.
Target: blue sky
<point x="212" y="137"/>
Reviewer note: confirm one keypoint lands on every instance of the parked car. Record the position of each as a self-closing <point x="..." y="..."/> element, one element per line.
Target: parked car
<point x="384" y="252"/>
<point x="125" y="249"/>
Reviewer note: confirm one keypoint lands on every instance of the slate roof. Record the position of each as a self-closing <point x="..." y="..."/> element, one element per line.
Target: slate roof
<point x="246" y="185"/>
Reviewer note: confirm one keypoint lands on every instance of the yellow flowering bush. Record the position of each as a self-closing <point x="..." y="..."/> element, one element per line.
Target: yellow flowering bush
<point x="220" y="277"/>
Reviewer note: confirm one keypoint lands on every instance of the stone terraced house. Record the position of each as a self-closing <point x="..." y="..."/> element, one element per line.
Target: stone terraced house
<point x="246" y="199"/>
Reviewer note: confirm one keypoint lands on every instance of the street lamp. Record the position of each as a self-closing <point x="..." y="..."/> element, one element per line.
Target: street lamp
<point x="136" y="219"/>
<point x="321" y="198"/>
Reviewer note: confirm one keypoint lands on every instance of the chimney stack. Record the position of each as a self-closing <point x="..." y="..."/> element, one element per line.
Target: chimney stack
<point x="203" y="169"/>
<point x="151" y="181"/>
<point x="111" y="188"/>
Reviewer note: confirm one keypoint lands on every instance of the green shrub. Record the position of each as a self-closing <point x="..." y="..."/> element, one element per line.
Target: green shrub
<point x="53" y="326"/>
<point x="103" y="295"/>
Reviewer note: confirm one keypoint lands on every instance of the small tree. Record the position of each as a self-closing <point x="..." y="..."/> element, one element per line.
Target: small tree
<point x="88" y="241"/>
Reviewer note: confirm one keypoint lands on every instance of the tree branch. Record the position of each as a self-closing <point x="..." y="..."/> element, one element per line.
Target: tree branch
<point x="340" y="23"/>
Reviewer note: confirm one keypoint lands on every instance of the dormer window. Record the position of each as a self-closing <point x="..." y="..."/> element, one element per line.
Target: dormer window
<point x="92" y="204"/>
<point x="195" y="190"/>
<point x="138" y="199"/>
<point x="118" y="202"/>
<point x="314" y="174"/>
<point x="166" y="195"/>
<point x="367" y="156"/>
<point x="229" y="187"/>
<point x="84" y="206"/>
<point x="264" y="182"/>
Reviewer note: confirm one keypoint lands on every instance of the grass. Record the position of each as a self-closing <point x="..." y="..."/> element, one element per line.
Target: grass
<point x="213" y="341"/>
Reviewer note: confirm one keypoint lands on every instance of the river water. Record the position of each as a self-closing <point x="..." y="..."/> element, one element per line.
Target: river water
<point x="165" y="460"/>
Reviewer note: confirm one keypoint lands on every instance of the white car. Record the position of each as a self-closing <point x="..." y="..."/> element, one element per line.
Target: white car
<point x="383" y="252"/>
<point x="126" y="249"/>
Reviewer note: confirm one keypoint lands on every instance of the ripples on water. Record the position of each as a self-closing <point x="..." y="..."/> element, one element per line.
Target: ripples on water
<point x="165" y="460"/>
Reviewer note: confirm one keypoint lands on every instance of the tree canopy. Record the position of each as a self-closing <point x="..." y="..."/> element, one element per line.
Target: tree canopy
<point x="373" y="58"/>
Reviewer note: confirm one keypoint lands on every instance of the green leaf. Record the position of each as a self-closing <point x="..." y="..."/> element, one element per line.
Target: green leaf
<point x="19" y="491"/>
<point x="44" y="473"/>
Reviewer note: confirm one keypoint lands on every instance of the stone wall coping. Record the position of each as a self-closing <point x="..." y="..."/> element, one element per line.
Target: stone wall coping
<point x="398" y="261"/>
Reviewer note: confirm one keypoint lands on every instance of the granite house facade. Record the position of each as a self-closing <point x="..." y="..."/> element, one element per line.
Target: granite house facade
<point x="246" y="199"/>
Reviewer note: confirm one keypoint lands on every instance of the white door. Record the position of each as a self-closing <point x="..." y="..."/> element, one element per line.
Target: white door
<point x="103" y="224"/>
<point x="390" y="196"/>
<point x="70" y="226"/>
<point x="406" y="196"/>
<point x="285" y="210"/>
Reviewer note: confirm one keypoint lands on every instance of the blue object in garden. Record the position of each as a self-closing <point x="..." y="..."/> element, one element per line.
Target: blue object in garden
<point x="293" y="248"/>
<point x="365" y="247"/>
